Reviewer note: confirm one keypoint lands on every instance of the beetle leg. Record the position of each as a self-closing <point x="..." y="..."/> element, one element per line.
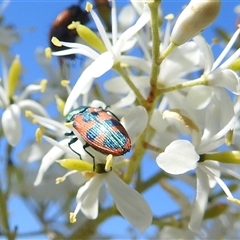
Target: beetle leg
<point x="69" y="133"/>
<point x="73" y="140"/>
<point x="93" y="158"/>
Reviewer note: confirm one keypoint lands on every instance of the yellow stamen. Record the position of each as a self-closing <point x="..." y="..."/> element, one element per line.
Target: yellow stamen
<point x="60" y="180"/>
<point x="34" y="121"/>
<point x="56" y="42"/>
<point x="60" y="104"/>
<point x="48" y="53"/>
<point x="28" y="113"/>
<point x="65" y="83"/>
<point x="88" y="7"/>
<point x="43" y="85"/>
<point x="169" y="17"/>
<point x="72" y="217"/>
<point x="109" y="163"/>
<point x="73" y="25"/>
<point x="229" y="138"/>
<point x="38" y="135"/>
<point x="215" y="40"/>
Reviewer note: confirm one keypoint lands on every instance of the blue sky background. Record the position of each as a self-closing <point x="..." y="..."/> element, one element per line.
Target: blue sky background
<point x="39" y="15"/>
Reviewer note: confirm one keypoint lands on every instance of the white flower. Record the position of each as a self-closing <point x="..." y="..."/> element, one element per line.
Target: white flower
<point x="102" y="62"/>
<point x="128" y="201"/>
<point x="184" y="60"/>
<point x="216" y="74"/>
<point x="181" y="156"/>
<point x="14" y="105"/>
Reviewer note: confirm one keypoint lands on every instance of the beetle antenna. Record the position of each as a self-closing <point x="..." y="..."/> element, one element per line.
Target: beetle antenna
<point x="106" y="109"/>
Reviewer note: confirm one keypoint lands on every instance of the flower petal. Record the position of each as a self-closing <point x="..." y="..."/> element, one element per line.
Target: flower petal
<point x="52" y="155"/>
<point x="51" y="124"/>
<point x="130" y="32"/>
<point x="179" y="157"/>
<point x="169" y="233"/>
<point x="172" y="71"/>
<point x="132" y="124"/>
<point x="125" y="101"/>
<point x="77" y="48"/>
<point x="87" y="197"/>
<point x="82" y="86"/>
<point x="129" y="202"/>
<point x="34" y="152"/>
<point x="198" y="97"/>
<point x="11" y="124"/>
<point x="101" y="30"/>
<point x="212" y="166"/>
<point x="125" y="22"/>
<point x="227" y="79"/>
<point x="102" y="64"/>
<point x="199" y="205"/>
<point x="207" y="59"/>
<point x="33" y="106"/>
<point x="4" y="101"/>
<point x="118" y="85"/>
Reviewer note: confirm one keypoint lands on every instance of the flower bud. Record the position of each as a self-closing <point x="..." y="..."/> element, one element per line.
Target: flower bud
<point x="194" y="18"/>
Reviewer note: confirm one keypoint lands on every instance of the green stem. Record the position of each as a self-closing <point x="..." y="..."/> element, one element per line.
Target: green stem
<point x="153" y="95"/>
<point x="4" y="216"/>
<point x="154" y="6"/>
<point x="139" y="96"/>
<point x="136" y="158"/>
<point x="200" y="81"/>
<point x="167" y="52"/>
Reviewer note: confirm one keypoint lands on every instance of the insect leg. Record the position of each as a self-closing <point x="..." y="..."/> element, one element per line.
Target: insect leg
<point x="73" y="140"/>
<point x="93" y="158"/>
<point x="69" y="133"/>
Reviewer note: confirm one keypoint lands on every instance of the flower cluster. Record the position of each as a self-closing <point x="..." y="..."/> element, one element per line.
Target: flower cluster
<point x="178" y="104"/>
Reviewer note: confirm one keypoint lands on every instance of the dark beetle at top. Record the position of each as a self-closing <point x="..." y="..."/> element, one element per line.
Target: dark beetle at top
<point x="59" y="27"/>
<point x="76" y="13"/>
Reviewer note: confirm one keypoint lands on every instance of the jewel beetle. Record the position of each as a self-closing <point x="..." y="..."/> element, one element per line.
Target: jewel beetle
<point x="100" y="129"/>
